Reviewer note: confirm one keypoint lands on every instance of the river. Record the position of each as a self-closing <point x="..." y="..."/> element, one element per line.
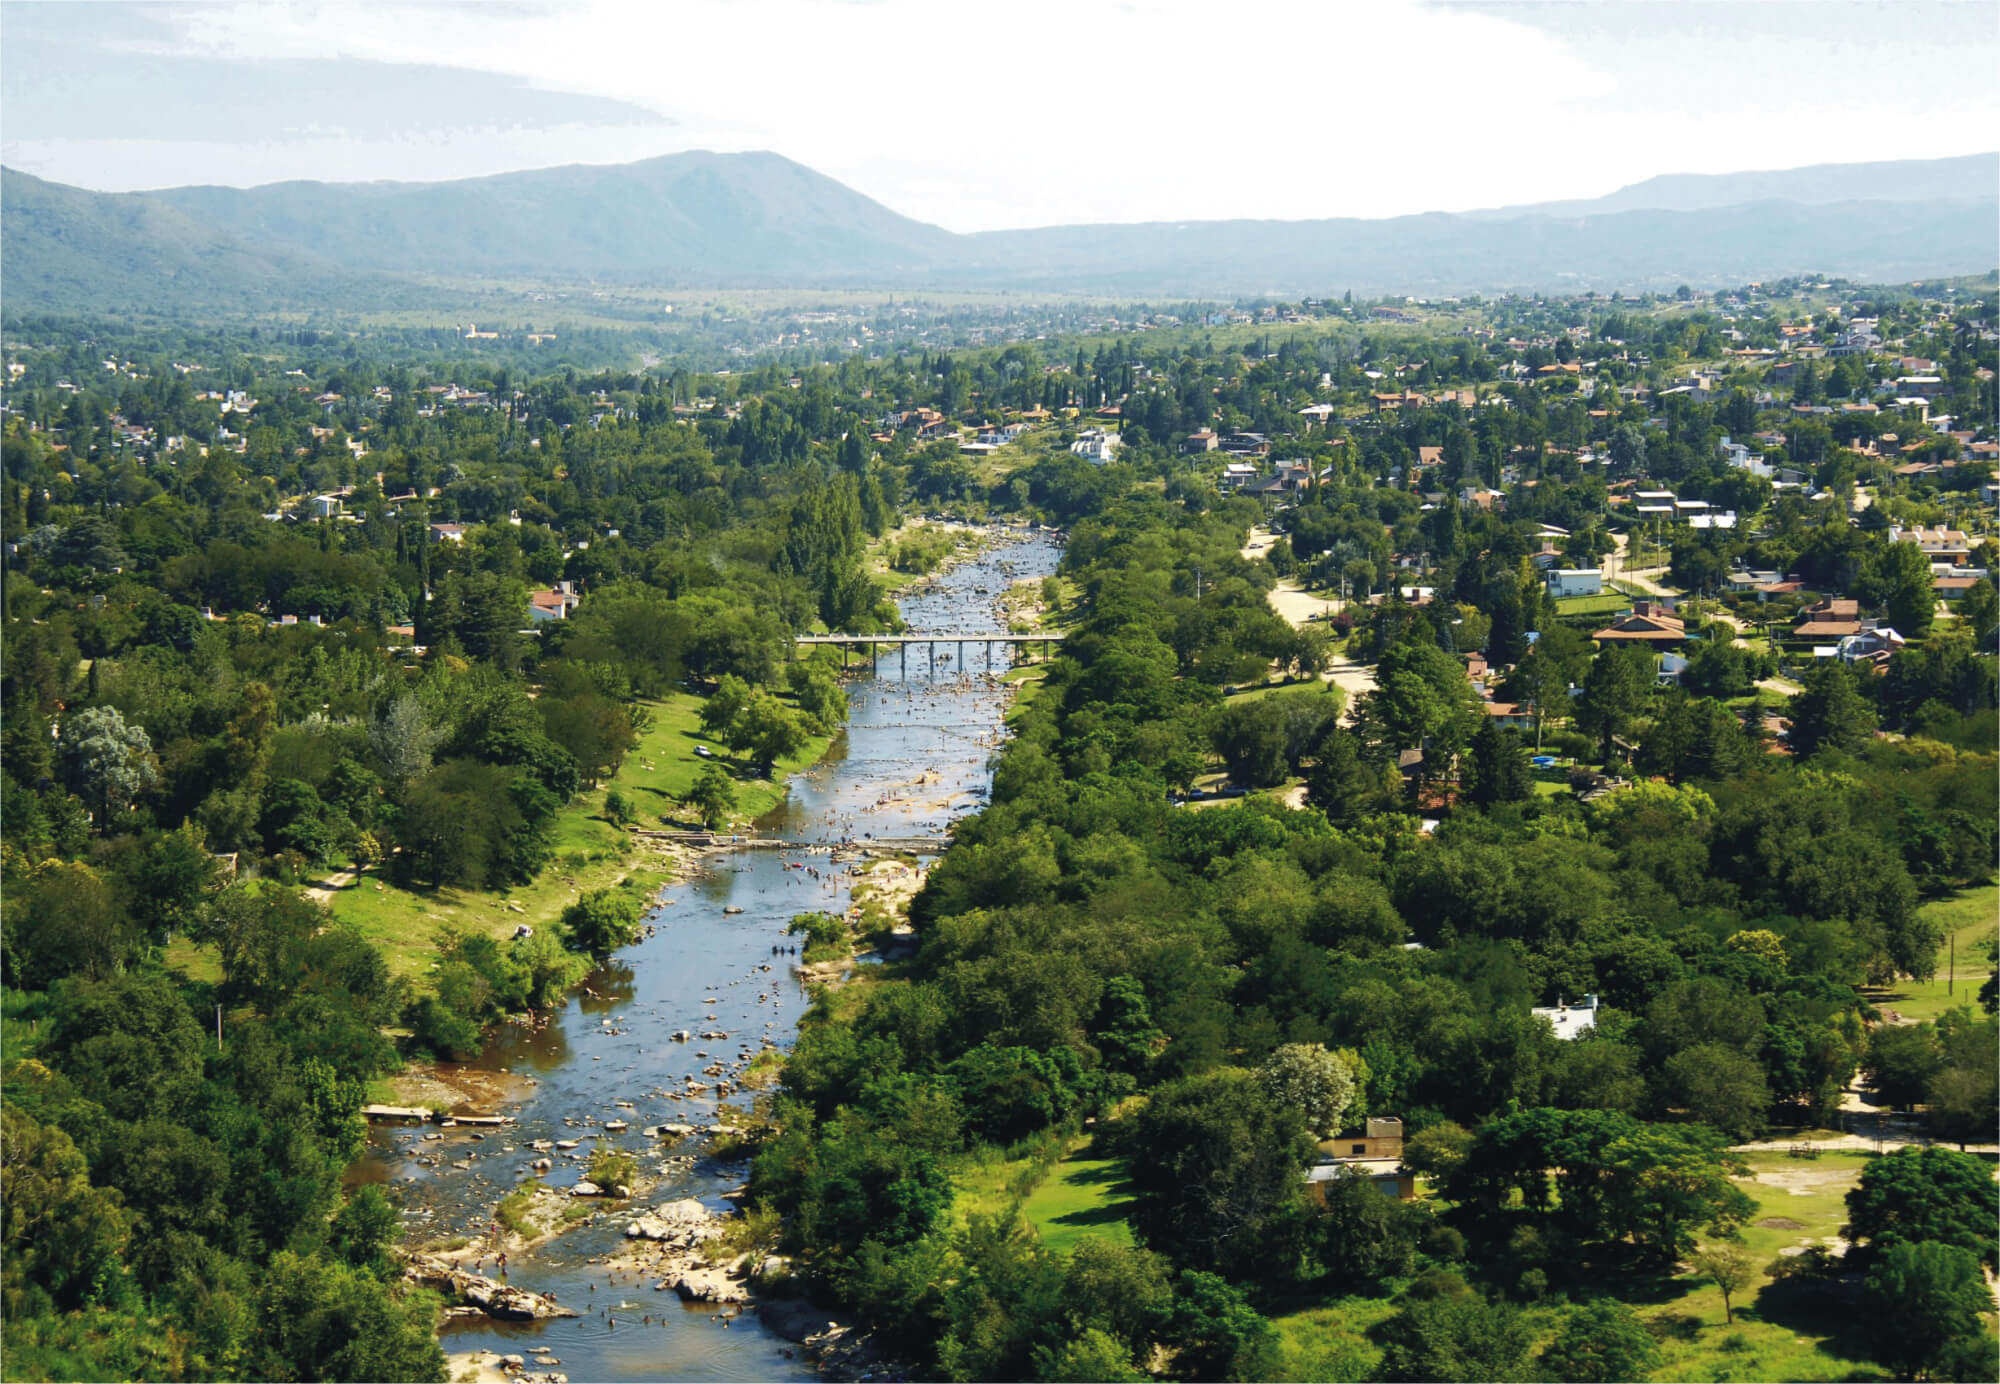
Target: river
<point x="915" y="757"/>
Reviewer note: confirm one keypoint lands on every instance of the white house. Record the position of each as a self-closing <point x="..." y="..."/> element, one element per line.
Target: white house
<point x="1575" y="581"/>
<point x="1570" y="1020"/>
<point x="1097" y="447"/>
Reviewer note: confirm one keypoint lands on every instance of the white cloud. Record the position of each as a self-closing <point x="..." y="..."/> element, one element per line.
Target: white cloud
<point x="1043" y="111"/>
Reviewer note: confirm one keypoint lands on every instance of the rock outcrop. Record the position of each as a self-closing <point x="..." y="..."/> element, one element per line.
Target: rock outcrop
<point x="498" y="1300"/>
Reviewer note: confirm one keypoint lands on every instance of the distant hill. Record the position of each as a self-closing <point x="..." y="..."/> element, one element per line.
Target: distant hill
<point x="1440" y="254"/>
<point x="63" y="247"/>
<point x="1969" y="178"/>
<point x="683" y="218"/>
<point x="715" y="220"/>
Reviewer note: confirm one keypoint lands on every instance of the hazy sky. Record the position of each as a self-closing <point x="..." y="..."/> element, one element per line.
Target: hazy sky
<point x="1021" y="113"/>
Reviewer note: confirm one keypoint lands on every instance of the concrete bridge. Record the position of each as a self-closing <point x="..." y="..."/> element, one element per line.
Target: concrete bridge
<point x="873" y="645"/>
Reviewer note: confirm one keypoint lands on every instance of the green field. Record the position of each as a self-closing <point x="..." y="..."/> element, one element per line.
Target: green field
<point x="1065" y="1201"/>
<point x="1971" y="919"/>
<point x="1782" y="1331"/>
<point x="1607" y="604"/>
<point x="1080" y="1197"/>
<point x="590" y="853"/>
<point x="1330" y="1343"/>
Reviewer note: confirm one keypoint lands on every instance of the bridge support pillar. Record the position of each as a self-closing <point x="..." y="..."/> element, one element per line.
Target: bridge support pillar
<point x="904" y="651"/>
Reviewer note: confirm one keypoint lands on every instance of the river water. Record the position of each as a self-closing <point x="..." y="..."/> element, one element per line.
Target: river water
<point x="916" y="756"/>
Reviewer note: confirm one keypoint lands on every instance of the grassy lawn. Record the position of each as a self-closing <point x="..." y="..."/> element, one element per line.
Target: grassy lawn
<point x="1782" y="1331"/>
<point x="1080" y="1197"/>
<point x="1609" y="604"/>
<point x="1259" y="691"/>
<point x="1969" y="917"/>
<point x="1064" y="1202"/>
<point x="1330" y="1342"/>
<point x="590" y="853"/>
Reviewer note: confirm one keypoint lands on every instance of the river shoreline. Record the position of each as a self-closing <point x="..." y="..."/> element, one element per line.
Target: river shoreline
<point x="681" y="1029"/>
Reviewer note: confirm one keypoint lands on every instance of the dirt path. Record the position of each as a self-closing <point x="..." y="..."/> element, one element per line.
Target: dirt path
<point x="1299" y="608"/>
<point x="1614" y="566"/>
<point x="322" y="891"/>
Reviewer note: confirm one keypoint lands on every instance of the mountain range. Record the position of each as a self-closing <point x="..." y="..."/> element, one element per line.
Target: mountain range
<point x="760" y="220"/>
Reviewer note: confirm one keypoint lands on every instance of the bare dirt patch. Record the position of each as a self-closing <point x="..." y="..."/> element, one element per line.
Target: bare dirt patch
<point x="459" y="1090"/>
<point x="1781" y="1223"/>
<point x="1803" y="1182"/>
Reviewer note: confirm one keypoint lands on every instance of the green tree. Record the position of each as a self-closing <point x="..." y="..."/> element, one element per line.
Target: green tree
<point x="1927" y="1196"/>
<point x="552" y="969"/>
<point x="1220" y="1160"/>
<point x="1339" y="782"/>
<point x="1924" y="1303"/>
<point x="1964" y="1095"/>
<point x="104" y="761"/>
<point x="171" y="881"/>
<point x="1320" y="1085"/>
<point x="322" y="1320"/>
<point x="1602" y="1340"/>
<point x="458" y="825"/>
<point x="1421" y="700"/>
<point x="601" y="922"/>
<point x="1089" y="1356"/>
<point x="1730" y="1268"/>
<point x="1830" y="714"/>
<point x="1456" y="1336"/>
<point x="1720" y="1086"/>
<point x="1899" y="579"/>
<point x="1500" y="772"/>
<point x="1902" y="1061"/>
<point x="1215" y="1333"/>
<point x="64" y="1239"/>
<point x="66" y="920"/>
<point x="1615" y="692"/>
<point x="767" y="730"/>
<point x="713" y="795"/>
<point x="1543" y="677"/>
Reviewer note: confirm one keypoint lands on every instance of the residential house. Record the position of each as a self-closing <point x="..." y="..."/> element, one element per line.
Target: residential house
<point x="1954" y="589"/>
<point x="1376" y="1155"/>
<point x="1939" y="544"/>
<point x="1646" y="623"/>
<point x="447" y="533"/>
<point x="553" y="604"/>
<point x="1510" y="715"/>
<point x="1096" y="446"/>
<point x="1569" y="1020"/>
<point x="1201" y="440"/>
<point x="1575" y="581"/>
<point x="1874" y="644"/>
<point x="1833" y="617"/>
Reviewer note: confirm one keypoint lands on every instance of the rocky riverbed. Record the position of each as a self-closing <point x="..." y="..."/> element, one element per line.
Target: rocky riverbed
<point x="659" y="1045"/>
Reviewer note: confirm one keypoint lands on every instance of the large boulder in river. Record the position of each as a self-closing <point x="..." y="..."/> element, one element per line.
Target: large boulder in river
<point x="498" y="1300"/>
<point x="685" y="1222"/>
<point x="708" y="1283"/>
